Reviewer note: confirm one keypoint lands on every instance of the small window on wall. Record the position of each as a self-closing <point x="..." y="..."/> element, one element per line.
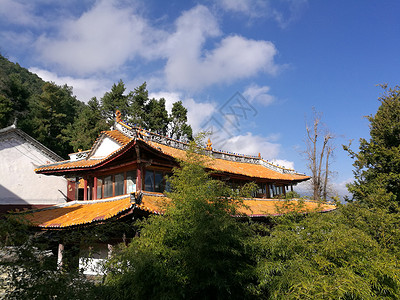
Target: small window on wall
<point x="116" y="184"/>
<point x="149" y="181"/>
<point x="99" y="188"/>
<point x="158" y="182"/>
<point x="119" y="184"/>
<point x="130" y="182"/>
<point x="108" y="187"/>
<point x="154" y="181"/>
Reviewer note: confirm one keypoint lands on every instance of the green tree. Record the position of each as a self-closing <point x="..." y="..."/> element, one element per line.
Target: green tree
<point x="326" y="257"/>
<point x="115" y="100"/>
<point x="6" y="111"/>
<point x="377" y="164"/>
<point x="196" y="250"/>
<point x="86" y="127"/>
<point x="179" y="127"/>
<point x="30" y="80"/>
<point x="50" y="114"/>
<point x="138" y="99"/>
<point x="156" y="116"/>
<point x="151" y="114"/>
<point x="13" y="100"/>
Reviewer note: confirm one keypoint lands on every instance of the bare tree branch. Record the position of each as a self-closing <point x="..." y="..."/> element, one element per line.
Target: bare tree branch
<point x="318" y="155"/>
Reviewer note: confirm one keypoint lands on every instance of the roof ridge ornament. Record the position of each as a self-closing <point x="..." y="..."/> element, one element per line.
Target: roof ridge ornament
<point x="209" y="145"/>
<point x="118" y="115"/>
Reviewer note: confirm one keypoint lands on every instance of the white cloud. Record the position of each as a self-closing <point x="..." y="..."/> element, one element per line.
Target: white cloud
<point x="284" y="163"/>
<point x="84" y="89"/>
<point x="111" y="36"/>
<point x="192" y="67"/>
<point x="290" y="12"/>
<point x="198" y="112"/>
<point x="19" y="13"/>
<point x="258" y="94"/>
<point x="283" y="12"/>
<point x="17" y="41"/>
<point x="252" y="8"/>
<point x="102" y="39"/>
<point x="251" y="145"/>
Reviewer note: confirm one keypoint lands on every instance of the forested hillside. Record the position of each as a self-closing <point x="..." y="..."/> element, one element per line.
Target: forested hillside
<point x="55" y="117"/>
<point x="8" y="69"/>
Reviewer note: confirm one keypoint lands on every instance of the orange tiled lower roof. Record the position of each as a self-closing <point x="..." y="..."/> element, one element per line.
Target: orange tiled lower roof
<point x="233" y="167"/>
<point x="273" y="207"/>
<point x="77" y="213"/>
<point x="154" y="204"/>
<point x="85" y="212"/>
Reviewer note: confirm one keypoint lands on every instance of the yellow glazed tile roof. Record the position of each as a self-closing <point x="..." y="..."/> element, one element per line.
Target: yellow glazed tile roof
<point x="273" y="207"/>
<point x="232" y="167"/>
<point x="154" y="204"/>
<point x="118" y="136"/>
<point x="220" y="165"/>
<point x="86" y="212"/>
<point x="77" y="213"/>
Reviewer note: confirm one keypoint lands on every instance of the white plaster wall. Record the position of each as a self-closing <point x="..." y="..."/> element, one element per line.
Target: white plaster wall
<point x="106" y="147"/>
<point x="92" y="261"/>
<point x="19" y="184"/>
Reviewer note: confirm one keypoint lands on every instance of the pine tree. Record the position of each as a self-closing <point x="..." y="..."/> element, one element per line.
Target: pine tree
<point x="13" y="100"/>
<point x="113" y="101"/>
<point x="51" y="113"/>
<point x="377" y="164"/>
<point x="138" y="100"/>
<point x="179" y="127"/>
<point x="86" y="127"/>
<point x="156" y="116"/>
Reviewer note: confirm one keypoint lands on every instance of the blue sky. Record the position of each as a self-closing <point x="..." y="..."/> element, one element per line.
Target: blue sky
<point x="283" y="56"/>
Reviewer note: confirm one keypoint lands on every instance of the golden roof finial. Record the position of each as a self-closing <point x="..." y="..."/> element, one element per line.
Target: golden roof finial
<point x="259" y="155"/>
<point x="118" y="116"/>
<point x="209" y="145"/>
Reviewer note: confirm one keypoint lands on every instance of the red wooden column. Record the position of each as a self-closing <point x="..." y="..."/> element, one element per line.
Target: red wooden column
<point x="94" y="188"/>
<point x="71" y="190"/>
<point x="139" y="177"/>
<point x="85" y="185"/>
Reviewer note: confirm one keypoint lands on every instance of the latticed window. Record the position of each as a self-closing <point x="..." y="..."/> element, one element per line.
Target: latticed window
<point x="130" y="182"/>
<point x="116" y="184"/>
<point x="119" y="184"/>
<point x="108" y="187"/>
<point x="155" y="181"/>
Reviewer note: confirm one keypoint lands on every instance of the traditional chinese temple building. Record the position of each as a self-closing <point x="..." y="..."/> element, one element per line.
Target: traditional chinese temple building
<point x="124" y="172"/>
<point x="123" y="175"/>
